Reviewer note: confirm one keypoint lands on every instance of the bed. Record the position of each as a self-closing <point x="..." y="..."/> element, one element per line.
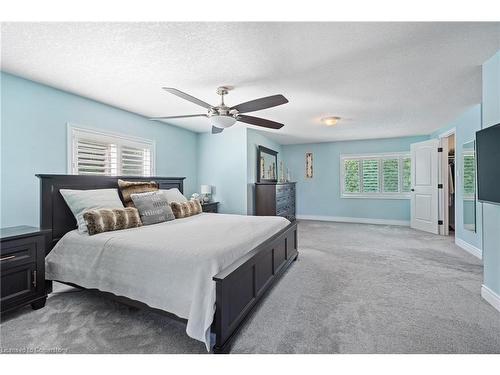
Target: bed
<point x="208" y="269"/>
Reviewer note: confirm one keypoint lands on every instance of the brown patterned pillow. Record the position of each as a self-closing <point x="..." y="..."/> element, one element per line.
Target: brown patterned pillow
<point x="109" y="219"/>
<point x="186" y="209"/>
<point x="127" y="188"/>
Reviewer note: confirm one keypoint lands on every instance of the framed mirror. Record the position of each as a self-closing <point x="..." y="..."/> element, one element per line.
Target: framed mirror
<point x="469" y="185"/>
<point x="267" y="165"/>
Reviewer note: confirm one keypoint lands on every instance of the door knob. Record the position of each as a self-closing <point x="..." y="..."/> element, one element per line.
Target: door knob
<point x="412" y="189"/>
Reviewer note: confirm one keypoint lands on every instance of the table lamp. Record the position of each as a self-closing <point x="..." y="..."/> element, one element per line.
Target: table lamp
<point x="206" y="191"/>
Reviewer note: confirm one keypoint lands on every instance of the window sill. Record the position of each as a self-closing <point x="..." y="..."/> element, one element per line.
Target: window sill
<point x="375" y="196"/>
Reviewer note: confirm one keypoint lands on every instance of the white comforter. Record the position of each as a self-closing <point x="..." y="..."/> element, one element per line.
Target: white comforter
<point x="168" y="266"/>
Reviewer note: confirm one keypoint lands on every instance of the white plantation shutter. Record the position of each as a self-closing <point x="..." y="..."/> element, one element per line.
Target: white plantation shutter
<point x="109" y="154"/>
<point x="390" y="176"/>
<point x="93" y="157"/>
<point x="135" y="161"/>
<point x="375" y="175"/>
<point x="370" y="173"/>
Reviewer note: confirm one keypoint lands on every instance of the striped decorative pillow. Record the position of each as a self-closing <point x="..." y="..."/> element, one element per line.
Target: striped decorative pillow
<point x="109" y="219"/>
<point x="186" y="209"/>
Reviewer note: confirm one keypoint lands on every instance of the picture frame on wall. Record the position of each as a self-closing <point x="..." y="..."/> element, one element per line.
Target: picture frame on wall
<point x="309" y="165"/>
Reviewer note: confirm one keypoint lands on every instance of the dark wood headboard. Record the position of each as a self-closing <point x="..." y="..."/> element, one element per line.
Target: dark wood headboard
<point x="55" y="213"/>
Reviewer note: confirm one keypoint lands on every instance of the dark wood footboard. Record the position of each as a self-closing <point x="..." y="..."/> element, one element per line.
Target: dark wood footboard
<point x="240" y="286"/>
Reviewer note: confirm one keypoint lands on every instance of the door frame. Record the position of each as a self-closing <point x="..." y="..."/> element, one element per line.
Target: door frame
<point x="443" y="197"/>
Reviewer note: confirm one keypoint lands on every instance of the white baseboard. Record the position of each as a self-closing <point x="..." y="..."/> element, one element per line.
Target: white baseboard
<point x="359" y="220"/>
<point x="469" y="248"/>
<point x="491" y="297"/>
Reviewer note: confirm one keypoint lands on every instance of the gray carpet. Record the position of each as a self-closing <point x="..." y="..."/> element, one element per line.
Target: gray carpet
<point x="355" y="289"/>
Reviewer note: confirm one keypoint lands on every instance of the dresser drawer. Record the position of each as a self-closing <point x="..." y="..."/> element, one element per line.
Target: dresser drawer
<point x="282" y="200"/>
<point x="18" y="252"/>
<point x="285" y="189"/>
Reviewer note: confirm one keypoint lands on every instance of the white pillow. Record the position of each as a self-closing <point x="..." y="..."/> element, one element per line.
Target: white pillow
<point x="174" y="195"/>
<point x="80" y="201"/>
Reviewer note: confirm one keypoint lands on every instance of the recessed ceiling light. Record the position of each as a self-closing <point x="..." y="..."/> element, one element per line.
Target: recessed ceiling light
<point x="330" y="121"/>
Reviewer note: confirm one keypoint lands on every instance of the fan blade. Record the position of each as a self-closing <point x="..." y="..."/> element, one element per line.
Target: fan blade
<point x="259" y="122"/>
<point x="216" y="130"/>
<point x="182" y="116"/>
<point x="262" y="103"/>
<point x="188" y="97"/>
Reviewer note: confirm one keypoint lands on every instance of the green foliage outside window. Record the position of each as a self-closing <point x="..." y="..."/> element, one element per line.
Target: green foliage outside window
<point x="351" y="174"/>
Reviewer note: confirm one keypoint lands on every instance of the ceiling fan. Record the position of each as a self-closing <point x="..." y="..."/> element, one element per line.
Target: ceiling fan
<point x="222" y="116"/>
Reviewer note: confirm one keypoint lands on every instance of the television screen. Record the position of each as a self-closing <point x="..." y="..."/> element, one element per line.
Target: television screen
<point x="488" y="164"/>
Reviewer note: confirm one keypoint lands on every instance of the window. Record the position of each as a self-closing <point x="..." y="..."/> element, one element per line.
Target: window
<point x="107" y="154"/>
<point x="376" y="176"/>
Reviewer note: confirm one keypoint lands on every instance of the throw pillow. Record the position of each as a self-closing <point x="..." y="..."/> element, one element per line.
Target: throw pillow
<point x="186" y="209"/>
<point x="153" y="207"/>
<point x="127" y="188"/>
<point x="80" y="201"/>
<point x="109" y="219"/>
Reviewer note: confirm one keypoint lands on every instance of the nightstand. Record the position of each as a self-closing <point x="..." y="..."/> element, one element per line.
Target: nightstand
<point x="212" y="207"/>
<point x="22" y="263"/>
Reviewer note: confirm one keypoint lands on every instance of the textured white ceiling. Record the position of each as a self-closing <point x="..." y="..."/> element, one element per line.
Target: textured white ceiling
<point x="383" y="79"/>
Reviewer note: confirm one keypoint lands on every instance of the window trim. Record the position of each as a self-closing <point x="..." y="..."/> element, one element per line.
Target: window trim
<point x="380" y="194"/>
<point x="73" y="129"/>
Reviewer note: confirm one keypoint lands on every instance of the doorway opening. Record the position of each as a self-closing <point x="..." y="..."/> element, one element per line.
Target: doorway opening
<point x="447" y="183"/>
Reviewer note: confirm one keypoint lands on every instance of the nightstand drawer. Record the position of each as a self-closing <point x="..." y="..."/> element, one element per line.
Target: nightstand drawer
<point x="212" y="207"/>
<point x="18" y="252"/>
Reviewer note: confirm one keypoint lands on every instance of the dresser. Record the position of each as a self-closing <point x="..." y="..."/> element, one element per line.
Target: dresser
<point x="23" y="267"/>
<point x="275" y="199"/>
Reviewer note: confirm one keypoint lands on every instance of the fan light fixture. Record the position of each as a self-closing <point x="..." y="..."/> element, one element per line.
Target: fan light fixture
<point x="222" y="122"/>
<point x="330" y="121"/>
<point x="221" y="116"/>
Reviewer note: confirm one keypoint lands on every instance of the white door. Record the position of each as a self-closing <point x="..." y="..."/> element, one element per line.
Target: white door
<point x="424" y="190"/>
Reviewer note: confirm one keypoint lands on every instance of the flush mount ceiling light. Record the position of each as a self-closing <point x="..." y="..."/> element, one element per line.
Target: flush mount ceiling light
<point x="330" y="121"/>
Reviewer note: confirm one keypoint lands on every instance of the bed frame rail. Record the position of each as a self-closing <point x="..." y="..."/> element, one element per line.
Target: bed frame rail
<point x="240" y="286"/>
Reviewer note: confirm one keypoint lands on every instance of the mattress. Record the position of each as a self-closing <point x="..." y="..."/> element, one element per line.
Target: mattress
<point x="168" y="266"/>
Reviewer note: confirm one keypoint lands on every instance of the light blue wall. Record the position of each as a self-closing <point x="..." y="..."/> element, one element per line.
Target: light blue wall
<point x="33" y="140"/>
<point x="254" y="140"/>
<point x="491" y="213"/>
<point x="320" y="196"/>
<point x="222" y="163"/>
<point x="466" y="125"/>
